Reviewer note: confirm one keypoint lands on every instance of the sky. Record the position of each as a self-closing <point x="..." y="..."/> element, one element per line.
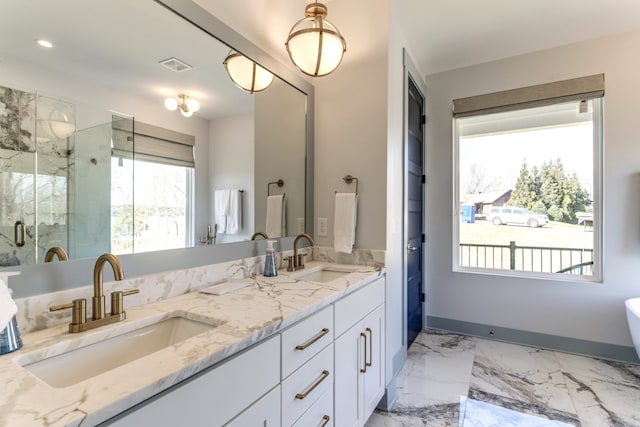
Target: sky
<point x="502" y="155"/>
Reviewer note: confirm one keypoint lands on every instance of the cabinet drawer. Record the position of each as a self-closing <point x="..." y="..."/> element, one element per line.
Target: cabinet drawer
<point x="304" y="340"/>
<point x="215" y="396"/>
<point x="306" y="385"/>
<point x="354" y="307"/>
<point x="320" y="414"/>
<point x="263" y="413"/>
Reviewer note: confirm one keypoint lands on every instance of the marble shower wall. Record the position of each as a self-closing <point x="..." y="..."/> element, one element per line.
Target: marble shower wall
<point x="34" y="173"/>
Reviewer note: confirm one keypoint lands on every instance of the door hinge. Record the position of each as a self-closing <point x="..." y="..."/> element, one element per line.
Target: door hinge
<point x="422" y="297"/>
<point x="423" y="119"/>
<point x="424" y="179"/>
<point x="422" y="238"/>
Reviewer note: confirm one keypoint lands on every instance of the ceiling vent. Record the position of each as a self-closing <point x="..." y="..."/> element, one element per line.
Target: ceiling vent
<point x="174" y="64"/>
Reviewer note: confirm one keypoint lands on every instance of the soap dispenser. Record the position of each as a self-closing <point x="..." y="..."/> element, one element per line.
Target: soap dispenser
<point x="270" y="261"/>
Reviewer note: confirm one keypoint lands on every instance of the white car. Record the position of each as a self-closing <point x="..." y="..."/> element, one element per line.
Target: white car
<point x="513" y="215"/>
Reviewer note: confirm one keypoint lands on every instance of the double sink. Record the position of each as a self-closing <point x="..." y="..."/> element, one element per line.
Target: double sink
<point x="69" y="367"/>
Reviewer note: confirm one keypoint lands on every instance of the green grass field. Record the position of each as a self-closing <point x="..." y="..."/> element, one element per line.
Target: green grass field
<point x="554" y="234"/>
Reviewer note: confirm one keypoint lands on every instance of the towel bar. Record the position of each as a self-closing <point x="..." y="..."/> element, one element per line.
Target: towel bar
<point x="279" y="182"/>
<point x="349" y="179"/>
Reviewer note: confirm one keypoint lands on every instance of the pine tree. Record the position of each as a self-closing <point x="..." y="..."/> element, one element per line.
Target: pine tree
<point x="522" y="193"/>
<point x="550" y="191"/>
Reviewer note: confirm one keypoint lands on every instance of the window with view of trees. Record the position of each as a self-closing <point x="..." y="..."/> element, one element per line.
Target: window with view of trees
<point x="152" y="172"/>
<point x="527" y="190"/>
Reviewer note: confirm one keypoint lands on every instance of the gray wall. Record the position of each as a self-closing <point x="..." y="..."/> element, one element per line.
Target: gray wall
<point x="586" y="311"/>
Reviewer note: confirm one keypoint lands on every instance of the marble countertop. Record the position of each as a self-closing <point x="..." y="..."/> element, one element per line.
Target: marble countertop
<point x="244" y="318"/>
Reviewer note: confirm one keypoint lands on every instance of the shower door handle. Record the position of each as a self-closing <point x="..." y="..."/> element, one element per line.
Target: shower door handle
<point x="19" y="238"/>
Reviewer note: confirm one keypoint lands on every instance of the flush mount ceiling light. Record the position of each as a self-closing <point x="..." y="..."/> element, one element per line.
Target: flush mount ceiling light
<point x="187" y="105"/>
<point x="44" y="43"/>
<point x="314" y="44"/>
<point x="246" y="74"/>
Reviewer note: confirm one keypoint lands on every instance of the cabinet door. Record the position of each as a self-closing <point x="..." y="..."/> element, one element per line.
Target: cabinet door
<point x="374" y="377"/>
<point x="264" y="413"/>
<point x="348" y="401"/>
<point x="213" y="397"/>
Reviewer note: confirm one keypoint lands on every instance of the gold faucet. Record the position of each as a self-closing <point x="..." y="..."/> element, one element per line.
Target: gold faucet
<point x="97" y="302"/>
<point x="55" y="251"/>
<point x="298" y="259"/>
<point x="259" y="234"/>
<point x="79" y="321"/>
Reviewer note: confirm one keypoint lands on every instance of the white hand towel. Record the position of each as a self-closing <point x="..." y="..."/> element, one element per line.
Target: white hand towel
<point x="275" y="226"/>
<point x="8" y="308"/>
<point x="344" y="228"/>
<point x="234" y="215"/>
<point x="221" y="209"/>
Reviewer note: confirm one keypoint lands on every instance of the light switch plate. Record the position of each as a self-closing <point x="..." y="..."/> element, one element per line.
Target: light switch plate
<point x="322" y="227"/>
<point x="301" y="228"/>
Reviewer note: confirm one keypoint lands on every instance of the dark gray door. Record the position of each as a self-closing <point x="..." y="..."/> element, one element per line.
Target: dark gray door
<point x="414" y="227"/>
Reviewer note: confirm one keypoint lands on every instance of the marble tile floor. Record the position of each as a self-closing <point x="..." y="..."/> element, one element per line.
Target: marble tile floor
<point x="452" y="380"/>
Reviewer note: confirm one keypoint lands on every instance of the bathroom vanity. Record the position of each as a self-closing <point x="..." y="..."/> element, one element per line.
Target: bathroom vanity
<point x="280" y="351"/>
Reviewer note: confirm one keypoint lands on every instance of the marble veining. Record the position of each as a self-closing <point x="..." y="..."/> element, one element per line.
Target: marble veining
<point x="242" y="318"/>
<point x="455" y="380"/>
<point x="481" y="414"/>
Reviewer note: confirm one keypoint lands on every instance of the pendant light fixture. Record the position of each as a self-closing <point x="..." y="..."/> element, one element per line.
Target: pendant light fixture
<point x="187" y="105"/>
<point x="246" y="74"/>
<point x="314" y="44"/>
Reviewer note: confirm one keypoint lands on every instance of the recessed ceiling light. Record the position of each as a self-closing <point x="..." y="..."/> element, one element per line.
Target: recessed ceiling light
<point x="44" y="43"/>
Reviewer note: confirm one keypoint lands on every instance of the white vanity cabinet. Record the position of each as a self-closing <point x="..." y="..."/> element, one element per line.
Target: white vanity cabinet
<point x="325" y="370"/>
<point x="217" y="395"/>
<point x="359" y="354"/>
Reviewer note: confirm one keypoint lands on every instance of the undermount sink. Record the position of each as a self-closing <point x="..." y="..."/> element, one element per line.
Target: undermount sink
<point x="323" y="274"/>
<point x="86" y="362"/>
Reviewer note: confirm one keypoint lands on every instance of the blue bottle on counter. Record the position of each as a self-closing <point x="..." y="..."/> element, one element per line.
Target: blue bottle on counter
<point x="270" y="261"/>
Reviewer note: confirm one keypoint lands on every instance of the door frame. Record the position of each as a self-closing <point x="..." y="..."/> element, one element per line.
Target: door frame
<point x="410" y="71"/>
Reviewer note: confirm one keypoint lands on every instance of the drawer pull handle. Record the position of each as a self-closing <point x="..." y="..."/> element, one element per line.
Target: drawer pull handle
<point x="322" y="333"/>
<point x="364" y="369"/>
<point x="325" y="420"/>
<point x="324" y="376"/>
<point x="370" y="362"/>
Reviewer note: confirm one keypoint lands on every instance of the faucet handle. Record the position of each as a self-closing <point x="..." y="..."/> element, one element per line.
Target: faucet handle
<point x="117" y="306"/>
<point x="78" y="313"/>
<point x="289" y="260"/>
<point x="301" y="260"/>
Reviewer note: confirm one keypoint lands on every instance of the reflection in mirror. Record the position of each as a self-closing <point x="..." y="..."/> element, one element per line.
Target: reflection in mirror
<point x="75" y="165"/>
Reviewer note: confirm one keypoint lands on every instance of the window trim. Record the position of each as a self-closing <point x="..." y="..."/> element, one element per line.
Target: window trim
<point x="598" y="204"/>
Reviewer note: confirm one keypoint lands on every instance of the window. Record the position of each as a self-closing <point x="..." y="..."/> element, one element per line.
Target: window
<point x="527" y="186"/>
<point x="152" y="171"/>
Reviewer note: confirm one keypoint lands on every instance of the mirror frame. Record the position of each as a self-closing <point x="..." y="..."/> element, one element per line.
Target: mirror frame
<point x="53" y="277"/>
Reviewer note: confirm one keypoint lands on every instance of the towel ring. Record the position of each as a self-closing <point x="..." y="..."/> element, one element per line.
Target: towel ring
<point x="279" y="183"/>
<point x="349" y="179"/>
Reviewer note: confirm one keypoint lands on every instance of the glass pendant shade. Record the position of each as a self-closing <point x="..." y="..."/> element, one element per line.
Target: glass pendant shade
<point x="171" y="104"/>
<point x="314" y="44"/>
<point x="193" y="105"/>
<point x="246" y="74"/>
<point x="187" y="105"/>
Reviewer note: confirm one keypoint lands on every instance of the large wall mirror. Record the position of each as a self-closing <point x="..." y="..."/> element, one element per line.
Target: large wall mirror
<point x="92" y="161"/>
